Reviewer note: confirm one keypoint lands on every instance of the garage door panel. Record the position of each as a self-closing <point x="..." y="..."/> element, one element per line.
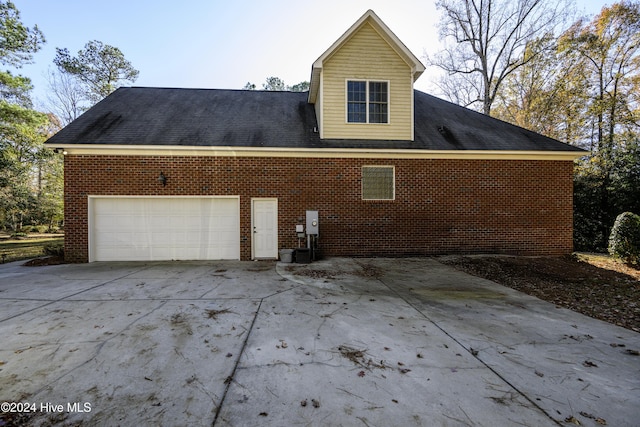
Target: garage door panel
<point x="150" y="228"/>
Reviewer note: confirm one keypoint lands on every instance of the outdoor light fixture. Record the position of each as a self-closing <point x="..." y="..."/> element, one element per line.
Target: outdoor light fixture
<point x="162" y="179"/>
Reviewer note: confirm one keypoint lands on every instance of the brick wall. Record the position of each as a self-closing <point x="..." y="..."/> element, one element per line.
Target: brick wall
<point x="441" y="206"/>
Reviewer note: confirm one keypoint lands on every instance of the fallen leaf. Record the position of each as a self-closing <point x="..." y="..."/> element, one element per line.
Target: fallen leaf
<point x="540" y="374"/>
<point x="632" y="352"/>
<point x="599" y="420"/>
<point x="589" y="364"/>
<point x="264" y="414"/>
<point x="361" y="374"/>
<point x="404" y="371"/>
<point x="303" y="403"/>
<point x="572" y="420"/>
<point x="315" y="403"/>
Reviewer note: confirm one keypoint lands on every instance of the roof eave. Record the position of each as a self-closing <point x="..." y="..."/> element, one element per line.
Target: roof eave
<point x="317" y="152"/>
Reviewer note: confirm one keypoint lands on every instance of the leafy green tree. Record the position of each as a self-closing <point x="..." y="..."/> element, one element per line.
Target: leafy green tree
<point x="277" y="84"/>
<point x="300" y="87"/>
<point x="587" y="92"/>
<point x="18" y="43"/>
<point x="607" y="50"/>
<point x="22" y="129"/>
<point x="21" y="138"/>
<point x="100" y="67"/>
<point x="274" y="84"/>
<point x="50" y="197"/>
<point x="547" y="95"/>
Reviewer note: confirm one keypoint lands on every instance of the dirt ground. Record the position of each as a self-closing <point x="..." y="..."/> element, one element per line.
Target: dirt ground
<point x="594" y="285"/>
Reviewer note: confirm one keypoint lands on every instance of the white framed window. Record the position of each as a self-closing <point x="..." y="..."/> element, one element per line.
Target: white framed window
<point x="378" y="183"/>
<point x="367" y="101"/>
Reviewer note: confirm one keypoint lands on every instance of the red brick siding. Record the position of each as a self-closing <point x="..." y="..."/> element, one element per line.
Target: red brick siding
<point x="441" y="206"/>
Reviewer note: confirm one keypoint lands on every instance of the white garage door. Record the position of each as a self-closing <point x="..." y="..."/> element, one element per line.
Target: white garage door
<point x="164" y="228"/>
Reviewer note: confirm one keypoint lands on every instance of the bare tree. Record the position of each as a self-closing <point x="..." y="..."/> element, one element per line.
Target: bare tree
<point x="485" y="41"/>
<point x="66" y="97"/>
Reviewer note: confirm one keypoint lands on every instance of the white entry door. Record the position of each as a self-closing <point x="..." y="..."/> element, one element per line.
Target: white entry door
<point x="264" y="221"/>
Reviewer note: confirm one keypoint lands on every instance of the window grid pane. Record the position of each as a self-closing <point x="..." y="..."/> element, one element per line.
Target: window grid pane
<point x="377" y="183"/>
<point x="356" y="102"/>
<point x="378" y="102"/>
<point x="378" y="92"/>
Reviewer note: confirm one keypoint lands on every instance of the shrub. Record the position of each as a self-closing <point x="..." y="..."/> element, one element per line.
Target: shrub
<point x="36" y="229"/>
<point x="54" y="249"/>
<point x="624" y="241"/>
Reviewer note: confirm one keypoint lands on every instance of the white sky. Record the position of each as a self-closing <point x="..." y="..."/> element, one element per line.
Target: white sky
<point x="223" y="43"/>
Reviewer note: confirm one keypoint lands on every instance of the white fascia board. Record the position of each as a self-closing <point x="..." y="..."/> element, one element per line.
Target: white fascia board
<point x="363" y="153"/>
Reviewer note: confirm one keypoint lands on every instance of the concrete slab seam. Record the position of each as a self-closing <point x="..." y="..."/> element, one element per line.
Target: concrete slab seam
<point x="98" y="349"/>
<point x="27" y="311"/>
<point x="527" y="398"/>
<point x="68" y="296"/>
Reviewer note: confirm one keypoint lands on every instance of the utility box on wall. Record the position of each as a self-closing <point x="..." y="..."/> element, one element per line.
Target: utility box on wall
<point x="312" y="222"/>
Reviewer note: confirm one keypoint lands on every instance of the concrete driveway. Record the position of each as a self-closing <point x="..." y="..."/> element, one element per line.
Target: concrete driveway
<point x="364" y="342"/>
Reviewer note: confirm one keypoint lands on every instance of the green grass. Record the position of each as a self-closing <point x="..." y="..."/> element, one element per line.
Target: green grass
<point x="16" y="250"/>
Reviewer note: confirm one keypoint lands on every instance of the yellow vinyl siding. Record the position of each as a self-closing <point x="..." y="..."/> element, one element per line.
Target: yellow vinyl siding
<point x="366" y="56"/>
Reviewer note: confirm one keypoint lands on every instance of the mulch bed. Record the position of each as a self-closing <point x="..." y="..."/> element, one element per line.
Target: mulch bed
<point x="51" y="260"/>
<point x="598" y="292"/>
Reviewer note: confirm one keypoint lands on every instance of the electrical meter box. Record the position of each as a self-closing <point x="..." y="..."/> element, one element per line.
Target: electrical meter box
<point x="312" y="222"/>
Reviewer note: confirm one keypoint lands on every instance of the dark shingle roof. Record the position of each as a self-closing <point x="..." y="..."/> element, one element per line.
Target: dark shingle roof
<point x="238" y="118"/>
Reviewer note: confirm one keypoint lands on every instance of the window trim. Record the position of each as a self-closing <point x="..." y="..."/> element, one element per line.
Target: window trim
<point x="393" y="182"/>
<point x="367" y="102"/>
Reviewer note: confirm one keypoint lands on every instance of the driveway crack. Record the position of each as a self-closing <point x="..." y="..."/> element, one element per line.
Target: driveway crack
<point x="229" y="379"/>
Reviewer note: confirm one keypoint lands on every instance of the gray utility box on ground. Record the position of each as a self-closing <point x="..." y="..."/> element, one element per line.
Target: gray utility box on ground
<point x="312" y="222"/>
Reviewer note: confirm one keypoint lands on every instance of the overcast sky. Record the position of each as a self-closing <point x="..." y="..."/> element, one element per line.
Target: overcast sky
<point x="223" y="43"/>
